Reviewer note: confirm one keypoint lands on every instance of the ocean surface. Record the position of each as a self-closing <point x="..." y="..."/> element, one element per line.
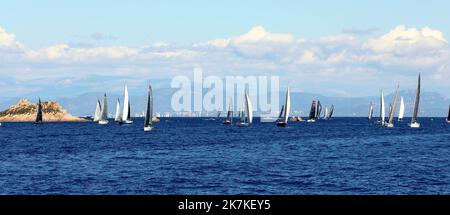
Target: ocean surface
<point x="200" y="156"/>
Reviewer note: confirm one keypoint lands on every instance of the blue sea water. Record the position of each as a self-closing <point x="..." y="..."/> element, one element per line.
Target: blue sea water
<point x="197" y="156"/>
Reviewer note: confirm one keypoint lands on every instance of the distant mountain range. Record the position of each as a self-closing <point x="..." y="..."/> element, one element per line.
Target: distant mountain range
<point x="431" y="104"/>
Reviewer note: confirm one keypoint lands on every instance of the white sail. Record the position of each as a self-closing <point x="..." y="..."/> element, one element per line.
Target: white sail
<point x="104" y="115"/>
<point x="98" y="111"/>
<point x="382" y="108"/>
<point x="126" y="114"/>
<point x="287" y="105"/>
<point x="392" y="110"/>
<point x="370" y="111"/>
<point x="249" y="109"/>
<point x="118" y="116"/>
<point x="325" y="116"/>
<point x="401" y="112"/>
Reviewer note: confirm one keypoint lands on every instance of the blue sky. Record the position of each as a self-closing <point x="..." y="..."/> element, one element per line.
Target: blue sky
<point x="340" y="48"/>
<point x="45" y="22"/>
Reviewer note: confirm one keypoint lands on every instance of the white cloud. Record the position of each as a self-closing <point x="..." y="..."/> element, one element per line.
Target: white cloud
<point x="343" y="58"/>
<point x="308" y="57"/>
<point x="259" y="34"/>
<point x="402" y="40"/>
<point x="7" y="39"/>
<point x="67" y="53"/>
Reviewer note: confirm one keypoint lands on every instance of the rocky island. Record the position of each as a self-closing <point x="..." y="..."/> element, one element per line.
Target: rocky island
<point x="24" y="111"/>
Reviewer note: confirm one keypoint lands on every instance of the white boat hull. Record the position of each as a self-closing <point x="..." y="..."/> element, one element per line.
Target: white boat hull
<point x="414" y="125"/>
<point x="103" y="122"/>
<point x="148" y="128"/>
<point x="311" y="120"/>
<point x="243" y="124"/>
<point x="448" y="121"/>
<point x="390" y="125"/>
<point x="127" y="122"/>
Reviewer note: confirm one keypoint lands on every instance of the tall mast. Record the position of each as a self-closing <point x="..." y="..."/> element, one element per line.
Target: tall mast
<point x="416" y="102"/>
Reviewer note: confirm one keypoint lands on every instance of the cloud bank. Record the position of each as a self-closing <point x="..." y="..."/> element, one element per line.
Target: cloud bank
<point x="352" y="63"/>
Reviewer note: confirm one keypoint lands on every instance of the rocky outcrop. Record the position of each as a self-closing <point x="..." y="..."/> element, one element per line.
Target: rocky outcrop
<point x="24" y="111"/>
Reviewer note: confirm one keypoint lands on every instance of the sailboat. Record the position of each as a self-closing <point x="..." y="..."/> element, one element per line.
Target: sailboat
<point x="448" y="117"/>
<point x="392" y="111"/>
<point x="282" y="121"/>
<point x="247" y="114"/>
<point x="330" y="114"/>
<point x="149" y="112"/>
<point x="370" y="111"/>
<point x="325" y="113"/>
<point x="318" y="109"/>
<point x="414" y="123"/>
<point x="312" y="112"/>
<point x="229" y="119"/>
<point x="118" y="116"/>
<point x="401" y="112"/>
<point x="382" y="109"/>
<point x="126" y="114"/>
<point x="104" y="116"/>
<point x="38" y="119"/>
<point x="98" y="111"/>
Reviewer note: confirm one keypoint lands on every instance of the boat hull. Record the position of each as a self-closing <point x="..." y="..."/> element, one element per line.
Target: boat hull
<point x="281" y="124"/>
<point x="414" y="125"/>
<point x="390" y="125"/>
<point x="243" y="124"/>
<point x="227" y="122"/>
<point x="125" y="122"/>
<point x="148" y="128"/>
<point x="311" y="120"/>
<point x="103" y="122"/>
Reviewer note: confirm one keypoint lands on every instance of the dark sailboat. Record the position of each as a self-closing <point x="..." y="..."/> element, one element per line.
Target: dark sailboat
<point x="38" y="119"/>
<point x="229" y="118"/>
<point x="149" y="112"/>
<point x="319" y="109"/>
<point x="448" y="117"/>
<point x="414" y="123"/>
<point x="312" y="112"/>
<point x="285" y="109"/>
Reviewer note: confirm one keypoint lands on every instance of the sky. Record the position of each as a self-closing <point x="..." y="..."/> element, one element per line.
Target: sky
<point x="337" y="48"/>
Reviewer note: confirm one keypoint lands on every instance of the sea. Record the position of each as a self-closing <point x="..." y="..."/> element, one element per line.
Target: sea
<point x="203" y="156"/>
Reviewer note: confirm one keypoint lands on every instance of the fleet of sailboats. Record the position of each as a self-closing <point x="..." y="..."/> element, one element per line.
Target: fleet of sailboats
<point x="245" y="113"/>
<point x="414" y="123"/>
